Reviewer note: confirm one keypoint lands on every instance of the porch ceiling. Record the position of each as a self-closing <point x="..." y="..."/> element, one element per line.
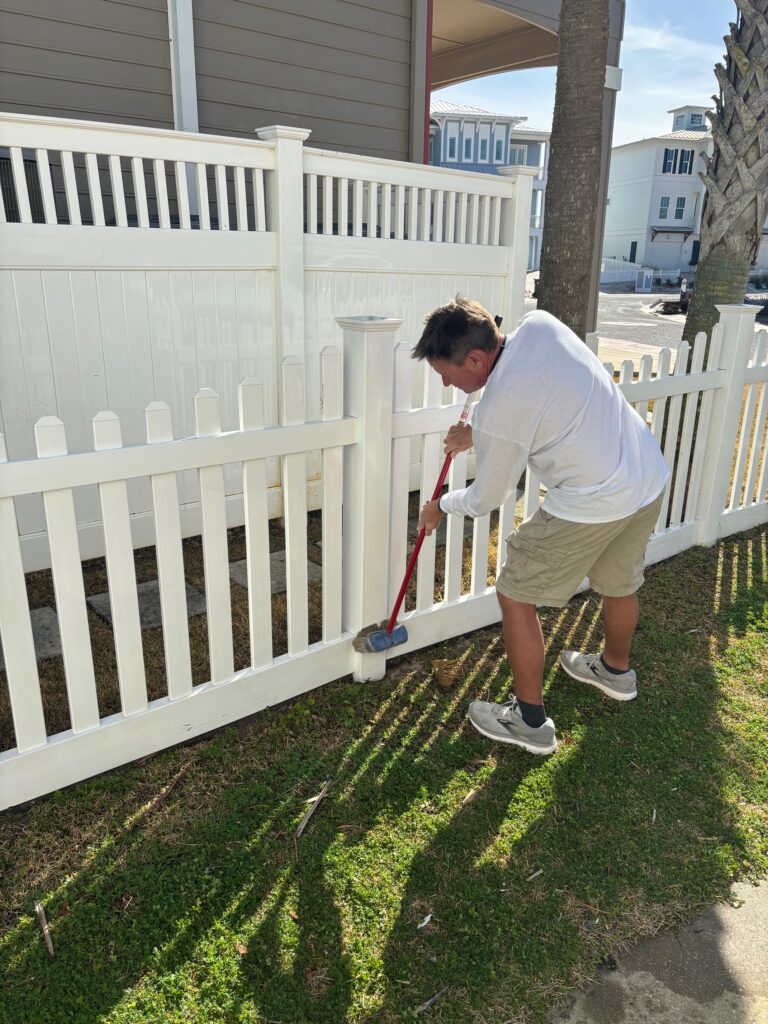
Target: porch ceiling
<point x="471" y="38"/>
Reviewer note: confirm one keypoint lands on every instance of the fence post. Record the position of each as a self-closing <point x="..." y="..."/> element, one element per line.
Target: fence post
<point x="515" y="233"/>
<point x="285" y="218"/>
<point x="738" y="322"/>
<point x="369" y="356"/>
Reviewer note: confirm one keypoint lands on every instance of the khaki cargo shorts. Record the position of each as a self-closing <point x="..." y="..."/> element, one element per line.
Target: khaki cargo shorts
<point x="547" y="557"/>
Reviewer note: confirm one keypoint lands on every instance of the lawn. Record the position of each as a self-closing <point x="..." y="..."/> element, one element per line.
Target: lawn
<point x="438" y="864"/>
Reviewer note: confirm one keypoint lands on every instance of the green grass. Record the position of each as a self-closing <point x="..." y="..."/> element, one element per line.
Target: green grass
<point x="176" y="892"/>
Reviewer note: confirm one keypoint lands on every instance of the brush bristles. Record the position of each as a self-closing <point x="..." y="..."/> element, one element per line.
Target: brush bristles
<point x="360" y="642"/>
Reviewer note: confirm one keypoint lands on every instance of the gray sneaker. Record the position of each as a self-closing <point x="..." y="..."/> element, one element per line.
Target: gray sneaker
<point x="588" y="668"/>
<point x="504" y="723"/>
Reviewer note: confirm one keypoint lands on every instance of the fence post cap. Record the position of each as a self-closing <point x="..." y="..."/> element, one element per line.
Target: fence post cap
<point x="368" y="323"/>
<point x="283" y="131"/>
<point x="517" y="171"/>
<point x="737" y="307"/>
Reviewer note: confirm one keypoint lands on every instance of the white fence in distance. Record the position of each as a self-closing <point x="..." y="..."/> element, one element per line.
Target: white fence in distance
<point x="710" y="419"/>
<point x="139" y="265"/>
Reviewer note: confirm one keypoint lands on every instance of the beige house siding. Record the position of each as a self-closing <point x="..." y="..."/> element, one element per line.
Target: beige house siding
<point x="341" y="69"/>
<point x="99" y="60"/>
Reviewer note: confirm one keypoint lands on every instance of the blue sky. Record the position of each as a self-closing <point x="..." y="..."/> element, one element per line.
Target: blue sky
<point x="667" y="58"/>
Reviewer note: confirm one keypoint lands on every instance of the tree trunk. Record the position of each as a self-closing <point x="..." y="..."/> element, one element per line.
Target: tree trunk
<point x="736" y="177"/>
<point x="573" y="180"/>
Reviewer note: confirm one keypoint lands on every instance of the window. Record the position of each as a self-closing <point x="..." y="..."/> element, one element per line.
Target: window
<point x="670" y="161"/>
<point x="686" y="161"/>
<point x="632" y="252"/>
<point x="452" y="148"/>
<point x="484" y="149"/>
<point x="664" y="208"/>
<point x="680" y="120"/>
<point x="695" y="248"/>
<point x="518" y="154"/>
<point x="697" y="119"/>
<point x="498" y="150"/>
<point x="679" y="207"/>
<point x="468" y="148"/>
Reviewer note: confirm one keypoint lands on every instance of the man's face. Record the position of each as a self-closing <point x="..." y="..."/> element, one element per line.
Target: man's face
<point x="467" y="376"/>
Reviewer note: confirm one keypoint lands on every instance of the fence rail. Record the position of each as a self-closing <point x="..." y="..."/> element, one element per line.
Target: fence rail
<point x="710" y="418"/>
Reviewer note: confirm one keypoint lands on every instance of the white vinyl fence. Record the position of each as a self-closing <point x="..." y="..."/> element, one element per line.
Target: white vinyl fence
<point x="710" y="420"/>
<point x="139" y="265"/>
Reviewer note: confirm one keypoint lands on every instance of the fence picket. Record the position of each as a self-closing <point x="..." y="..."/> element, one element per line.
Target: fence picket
<point x="140" y="191"/>
<point x="332" y="405"/>
<point x="745" y="438"/>
<point x="759" y="439"/>
<point x="693" y="502"/>
<point x="454" y="538"/>
<point x="121" y="574"/>
<point x="400" y="213"/>
<point x="686" y="436"/>
<point x="311" y="204"/>
<point x="256" y="530"/>
<point x="373" y="211"/>
<point x="182" y="194"/>
<point x="327" y="204"/>
<point x="485" y="213"/>
<point x="401" y="457"/>
<point x="70" y="188"/>
<point x="118" y="192"/>
<point x="474" y="219"/>
<point x="425" y="219"/>
<point x="170" y="560"/>
<point x="646" y="372"/>
<point x="18" y="642"/>
<point x="295" y="509"/>
<point x="437" y="232"/>
<point x="222" y="200"/>
<point x="20" y="184"/>
<point x="495" y="238"/>
<point x="671" y="436"/>
<point x="480" y="533"/>
<point x="215" y="554"/>
<point x="161" y="191"/>
<point x="357" y="208"/>
<point x="450" y="219"/>
<point x="259" y="204"/>
<point x="241" y="206"/>
<point x="46" y="187"/>
<point x="94" y="189"/>
<point x="462" y="238"/>
<point x="68" y="585"/>
<point x="344" y="206"/>
<point x="430" y="458"/>
<point x="386" y="210"/>
<point x="413" y="213"/>
<point x="201" y="177"/>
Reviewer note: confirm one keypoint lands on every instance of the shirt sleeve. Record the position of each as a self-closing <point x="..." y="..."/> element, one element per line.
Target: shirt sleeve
<point x="500" y="464"/>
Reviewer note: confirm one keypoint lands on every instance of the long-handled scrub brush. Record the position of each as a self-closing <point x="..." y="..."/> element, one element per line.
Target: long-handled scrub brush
<point x="384" y="635"/>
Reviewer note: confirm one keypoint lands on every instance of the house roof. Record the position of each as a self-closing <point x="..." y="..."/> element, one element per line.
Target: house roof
<point x="444" y="108"/>
<point x="685" y="135"/>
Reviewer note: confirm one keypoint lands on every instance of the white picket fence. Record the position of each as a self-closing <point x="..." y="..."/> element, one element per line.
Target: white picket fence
<point x="711" y="421"/>
<point x="139" y="265"/>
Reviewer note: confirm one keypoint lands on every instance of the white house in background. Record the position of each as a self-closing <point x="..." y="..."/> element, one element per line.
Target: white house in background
<point x="655" y="198"/>
<point x="471" y="139"/>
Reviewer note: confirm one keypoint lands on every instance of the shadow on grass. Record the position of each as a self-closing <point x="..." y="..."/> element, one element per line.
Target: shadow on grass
<point x="183" y="896"/>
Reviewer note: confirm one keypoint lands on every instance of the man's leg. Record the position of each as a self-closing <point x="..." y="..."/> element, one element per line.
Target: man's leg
<point x="620" y="615"/>
<point x="524" y="644"/>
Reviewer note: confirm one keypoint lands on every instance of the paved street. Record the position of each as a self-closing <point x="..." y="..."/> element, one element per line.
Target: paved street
<point x="627" y="317"/>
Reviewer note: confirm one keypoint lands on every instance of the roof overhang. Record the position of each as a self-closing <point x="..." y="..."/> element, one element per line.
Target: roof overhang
<point x="664" y="230"/>
<point x="473" y="38"/>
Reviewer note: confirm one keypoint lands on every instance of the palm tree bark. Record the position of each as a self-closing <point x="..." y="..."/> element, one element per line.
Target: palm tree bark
<point x="572" y="195"/>
<point x="736" y="177"/>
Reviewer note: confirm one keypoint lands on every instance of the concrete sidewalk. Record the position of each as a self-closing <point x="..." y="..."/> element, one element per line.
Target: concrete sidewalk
<point x="712" y="971"/>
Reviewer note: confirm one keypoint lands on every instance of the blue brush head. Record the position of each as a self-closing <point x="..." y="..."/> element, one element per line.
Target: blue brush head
<point x="381" y="640"/>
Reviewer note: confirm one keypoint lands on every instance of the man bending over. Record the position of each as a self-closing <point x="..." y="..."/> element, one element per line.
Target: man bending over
<point x="549" y="405"/>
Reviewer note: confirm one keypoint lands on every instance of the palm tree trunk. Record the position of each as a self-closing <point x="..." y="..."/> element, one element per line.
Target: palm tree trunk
<point x="574" y="164"/>
<point x="736" y="177"/>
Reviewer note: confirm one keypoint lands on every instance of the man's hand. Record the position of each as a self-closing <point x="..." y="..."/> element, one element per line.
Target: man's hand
<point x="458" y="438"/>
<point x="430" y="517"/>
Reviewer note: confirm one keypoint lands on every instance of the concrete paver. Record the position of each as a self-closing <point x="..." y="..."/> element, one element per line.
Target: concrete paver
<point x="712" y="971"/>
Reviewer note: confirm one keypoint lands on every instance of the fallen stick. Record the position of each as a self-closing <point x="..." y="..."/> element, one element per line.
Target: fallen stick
<point x="312" y="809"/>
<point x="429" y="1002"/>
<point x="44" y="925"/>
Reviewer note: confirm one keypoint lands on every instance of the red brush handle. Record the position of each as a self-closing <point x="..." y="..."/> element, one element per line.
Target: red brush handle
<point x="422" y="532"/>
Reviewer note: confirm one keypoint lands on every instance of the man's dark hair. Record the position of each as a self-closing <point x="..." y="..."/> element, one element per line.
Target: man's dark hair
<point x="453" y="330"/>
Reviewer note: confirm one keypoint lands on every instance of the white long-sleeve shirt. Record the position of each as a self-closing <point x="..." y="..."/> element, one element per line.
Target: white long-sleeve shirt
<point x="551" y="405"/>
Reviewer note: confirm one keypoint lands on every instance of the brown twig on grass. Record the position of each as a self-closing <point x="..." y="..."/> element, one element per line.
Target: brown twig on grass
<point x="44" y="925"/>
<point x="429" y="1002"/>
<point x="312" y="809"/>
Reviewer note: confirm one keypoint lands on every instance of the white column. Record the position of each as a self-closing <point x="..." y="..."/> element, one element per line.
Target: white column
<point x="738" y="323"/>
<point x="183" y="72"/>
<point x="515" y="232"/>
<point x="285" y="217"/>
<point x="369" y="355"/>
